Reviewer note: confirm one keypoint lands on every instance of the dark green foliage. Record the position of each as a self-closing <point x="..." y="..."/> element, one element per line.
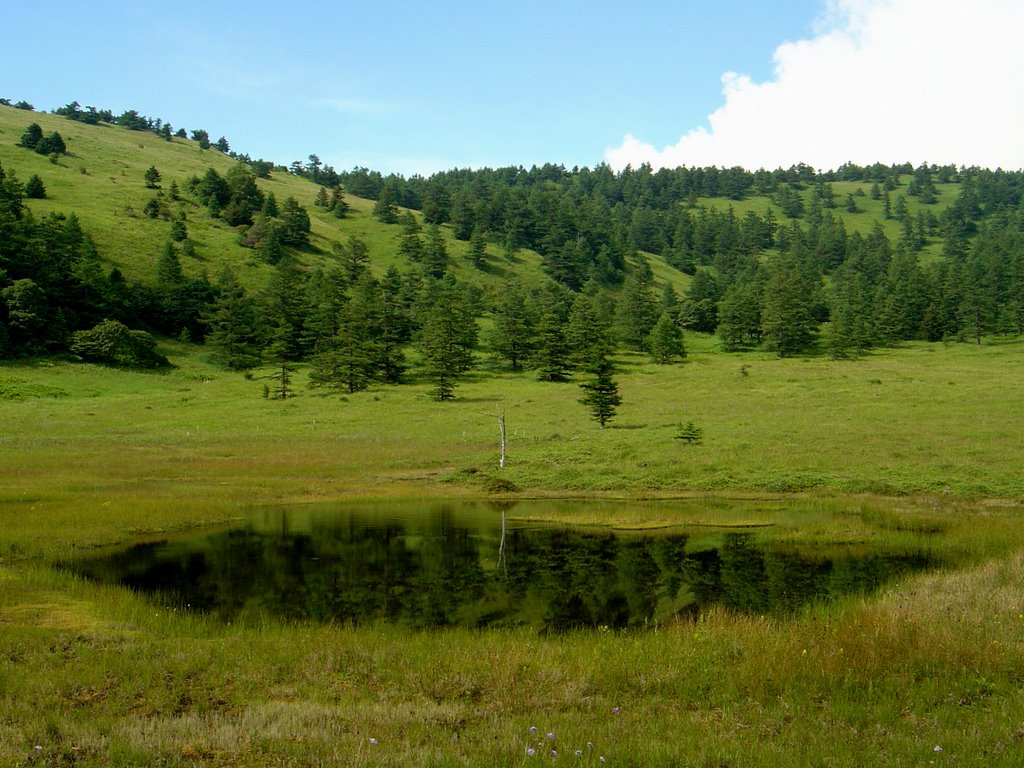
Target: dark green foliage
<point x="34" y="188"/>
<point x="244" y="199"/>
<point x="278" y="355"/>
<point x="514" y="335"/>
<point x="179" y="227"/>
<point x="337" y="204"/>
<point x="851" y="331"/>
<point x="410" y="244"/>
<point x="602" y="392"/>
<point x="168" y="267"/>
<point x="665" y="341"/>
<point x="266" y="234"/>
<point x="31" y="137"/>
<point x="262" y="168"/>
<point x="478" y="249"/>
<point x="637" y="307"/>
<point x="349" y="358"/>
<point x="152" y="177"/>
<point x="385" y="209"/>
<point x="133" y="121"/>
<point x="113" y="343"/>
<point x="699" y="309"/>
<point x="739" y="314"/>
<point x="27" y="314"/>
<point x="154" y="207"/>
<point x="788" y="325"/>
<point x="296" y="226"/>
<point x="234" y="325"/>
<point x="202" y="137"/>
<point x="212" y="191"/>
<point x="435" y="252"/>
<point x="354" y="257"/>
<point x="587" y="333"/>
<point x="690" y="433"/>
<point x="51" y="144"/>
<point x="448" y="335"/>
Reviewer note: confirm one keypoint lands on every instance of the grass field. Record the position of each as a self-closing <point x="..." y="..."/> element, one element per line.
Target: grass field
<point x="923" y="437"/>
<point x="95" y="676"/>
<point x="101" y="180"/>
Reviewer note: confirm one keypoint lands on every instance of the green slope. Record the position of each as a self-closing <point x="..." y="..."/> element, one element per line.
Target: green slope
<point x="101" y="180"/>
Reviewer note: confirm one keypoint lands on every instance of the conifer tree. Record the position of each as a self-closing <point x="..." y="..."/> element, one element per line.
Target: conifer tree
<point x="447" y="336"/>
<point x="34" y="188"/>
<point x="602" y="392"/>
<point x="514" y="335"/>
<point x="666" y="341"/>
<point x="235" y="330"/>
<point x="478" y="248"/>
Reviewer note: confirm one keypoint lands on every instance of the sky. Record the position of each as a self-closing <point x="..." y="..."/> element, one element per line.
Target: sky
<point x="417" y="87"/>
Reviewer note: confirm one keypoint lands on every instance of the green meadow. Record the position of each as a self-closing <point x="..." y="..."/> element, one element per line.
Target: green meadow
<point x="917" y="438"/>
<point x="807" y="451"/>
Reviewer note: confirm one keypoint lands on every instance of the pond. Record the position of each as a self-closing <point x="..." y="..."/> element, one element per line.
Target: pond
<point x="437" y="564"/>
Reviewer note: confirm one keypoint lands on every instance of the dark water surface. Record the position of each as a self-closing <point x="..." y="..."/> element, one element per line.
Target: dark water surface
<point x="437" y="564"/>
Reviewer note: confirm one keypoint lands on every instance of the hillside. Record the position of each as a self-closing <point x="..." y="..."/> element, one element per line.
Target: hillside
<point x="101" y="180"/>
<point x="793" y="261"/>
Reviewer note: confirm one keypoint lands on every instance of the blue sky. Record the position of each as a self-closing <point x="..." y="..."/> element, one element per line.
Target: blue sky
<point x="415" y="87"/>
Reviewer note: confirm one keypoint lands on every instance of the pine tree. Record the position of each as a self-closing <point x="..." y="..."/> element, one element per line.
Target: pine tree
<point x="637" y="309"/>
<point x="478" y="249"/>
<point x="385" y="210"/>
<point x="410" y="244"/>
<point x="587" y="332"/>
<point x="34" y="188"/>
<point x="787" y="322"/>
<point x="602" y="392"/>
<point x="394" y="328"/>
<point x="666" y="341"/>
<point x="168" y="267"/>
<point x="435" y="252"/>
<point x="31" y="137"/>
<point x="447" y="336"/>
<point x="514" y="335"/>
<point x="179" y="229"/>
<point x="235" y="331"/>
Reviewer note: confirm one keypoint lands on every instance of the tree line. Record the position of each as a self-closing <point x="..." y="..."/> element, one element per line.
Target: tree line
<point x="772" y="280"/>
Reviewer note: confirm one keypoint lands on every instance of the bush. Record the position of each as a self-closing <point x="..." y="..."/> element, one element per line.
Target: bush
<point x="113" y="343"/>
<point x="34" y="188"/>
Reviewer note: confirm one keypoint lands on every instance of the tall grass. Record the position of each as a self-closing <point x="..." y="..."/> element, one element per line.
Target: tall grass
<point x="96" y="676"/>
<point x="934" y="663"/>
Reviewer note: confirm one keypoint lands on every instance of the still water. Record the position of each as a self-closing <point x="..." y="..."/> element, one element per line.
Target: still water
<point x="441" y="564"/>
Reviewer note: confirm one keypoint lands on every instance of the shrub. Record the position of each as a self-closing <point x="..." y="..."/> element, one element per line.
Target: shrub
<point x="113" y="343"/>
<point x="34" y="188"/>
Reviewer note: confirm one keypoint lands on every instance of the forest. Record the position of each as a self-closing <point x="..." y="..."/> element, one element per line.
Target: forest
<point x="792" y="278"/>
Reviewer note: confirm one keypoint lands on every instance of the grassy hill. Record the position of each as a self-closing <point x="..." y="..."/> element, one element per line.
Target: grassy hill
<point x="101" y="180"/>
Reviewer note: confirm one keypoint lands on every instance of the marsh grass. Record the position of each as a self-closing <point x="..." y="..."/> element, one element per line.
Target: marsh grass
<point x="933" y="661"/>
<point x="96" y="676"/>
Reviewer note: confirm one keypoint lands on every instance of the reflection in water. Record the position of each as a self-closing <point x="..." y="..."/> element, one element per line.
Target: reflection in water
<point x="441" y="567"/>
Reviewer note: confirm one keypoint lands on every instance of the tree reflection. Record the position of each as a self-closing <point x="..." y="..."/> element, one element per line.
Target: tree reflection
<point x="437" y="570"/>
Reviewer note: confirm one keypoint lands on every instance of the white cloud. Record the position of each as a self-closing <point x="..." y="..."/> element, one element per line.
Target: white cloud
<point x="894" y="81"/>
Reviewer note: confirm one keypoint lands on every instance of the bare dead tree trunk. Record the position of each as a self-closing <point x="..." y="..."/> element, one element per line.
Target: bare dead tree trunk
<point x="501" y="429"/>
